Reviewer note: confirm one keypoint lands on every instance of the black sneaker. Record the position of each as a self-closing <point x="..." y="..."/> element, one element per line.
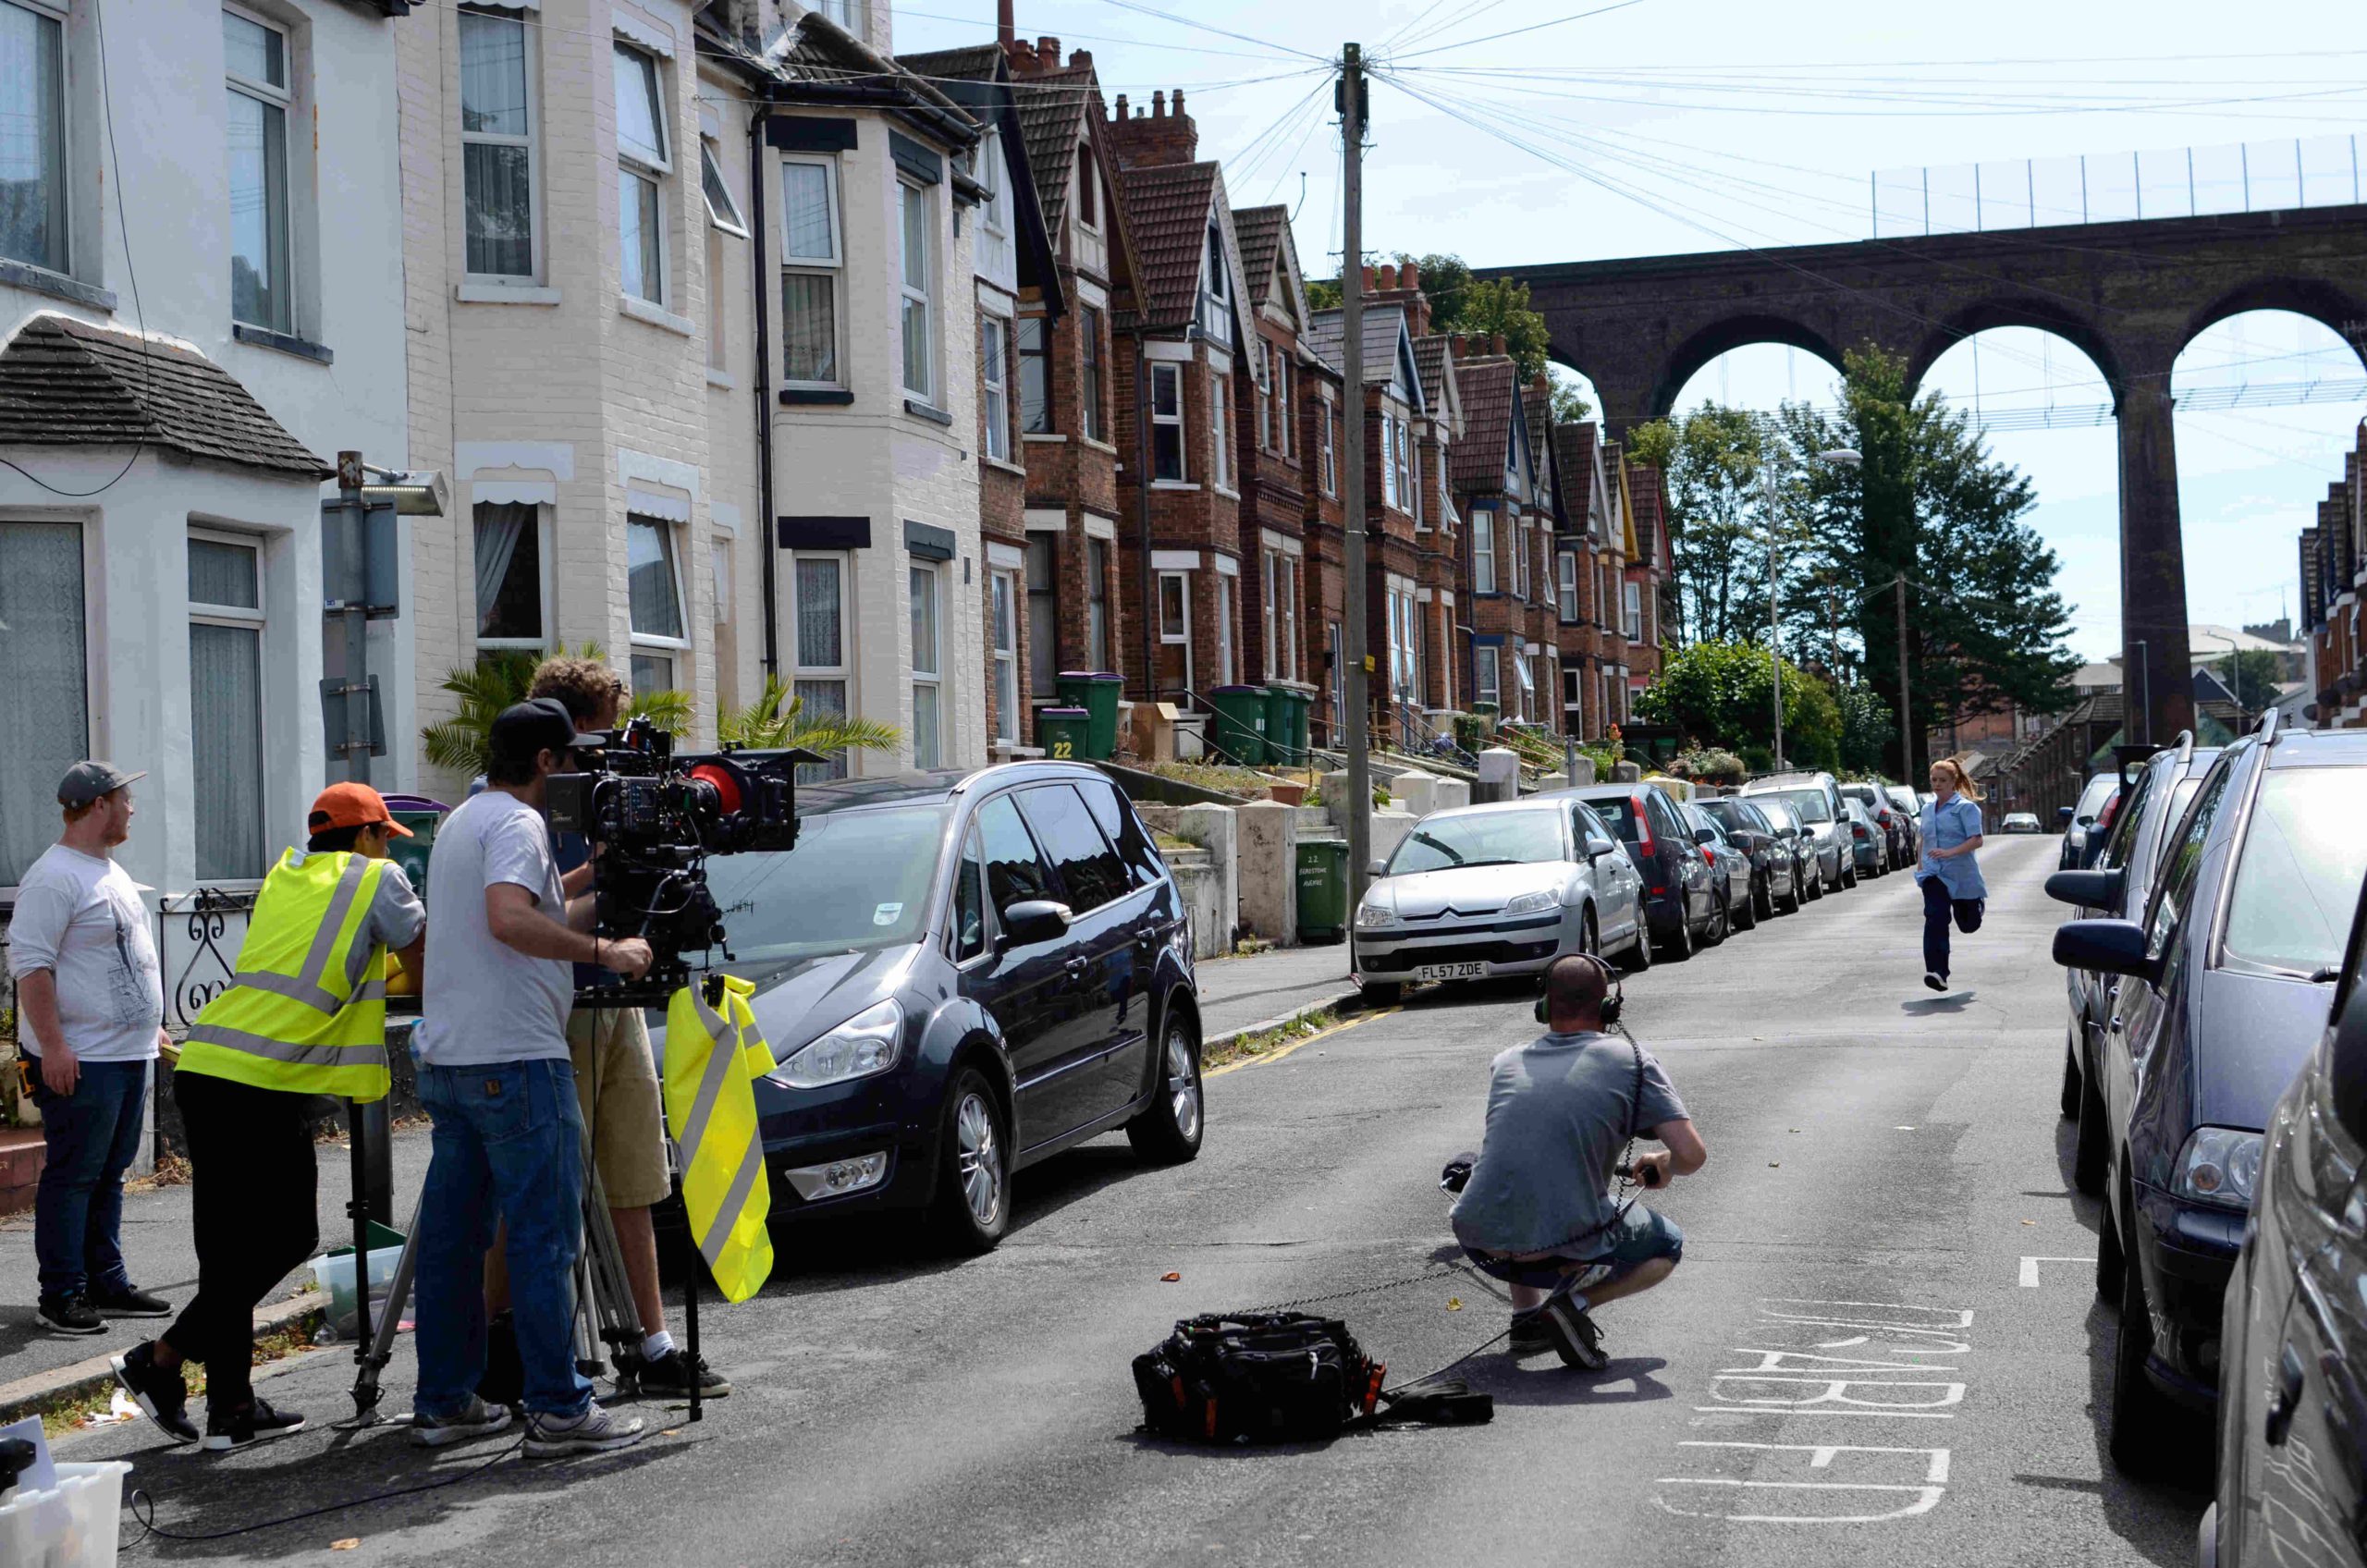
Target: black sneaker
<point x="130" y="1301"/>
<point x="1528" y="1336"/>
<point x="672" y="1373"/>
<point x="1575" y="1339"/>
<point x="1933" y="978"/>
<point x="69" y="1315"/>
<point x="248" y="1425"/>
<point x="159" y="1392"/>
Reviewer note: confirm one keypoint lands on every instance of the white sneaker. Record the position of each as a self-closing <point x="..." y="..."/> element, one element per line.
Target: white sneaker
<point x="1932" y="978"/>
<point x="595" y="1431"/>
<point x="478" y="1420"/>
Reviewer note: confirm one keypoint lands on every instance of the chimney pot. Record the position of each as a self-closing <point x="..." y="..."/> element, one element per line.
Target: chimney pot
<point x="1389" y="275"/>
<point x="1081" y="59"/>
<point x="1179" y="102"/>
<point x="1538" y="383"/>
<point x="1410" y="274"/>
<point x="1006" y="27"/>
<point x="1158" y="103"/>
<point x="1459" y="345"/>
<point x="1122" y="106"/>
<point x="1368" y="280"/>
<point x="1048" y="52"/>
<point x="1496" y="342"/>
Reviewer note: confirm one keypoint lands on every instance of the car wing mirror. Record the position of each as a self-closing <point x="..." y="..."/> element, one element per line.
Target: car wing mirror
<point x="2108" y="947"/>
<point x="2064" y="815"/>
<point x="1034" y="920"/>
<point x="1377" y="868"/>
<point x="2087" y="889"/>
<point x="1704" y="836"/>
<point x="1598" y="846"/>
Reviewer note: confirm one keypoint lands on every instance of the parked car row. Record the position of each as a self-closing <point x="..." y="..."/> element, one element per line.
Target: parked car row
<point x="2212" y="969"/>
<point x="1624" y="870"/>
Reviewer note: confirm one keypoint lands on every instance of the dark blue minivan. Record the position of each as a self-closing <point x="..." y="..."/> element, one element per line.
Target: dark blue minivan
<point x="962" y="973"/>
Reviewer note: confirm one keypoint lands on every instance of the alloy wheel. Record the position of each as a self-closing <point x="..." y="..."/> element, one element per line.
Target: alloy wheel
<point x="1183" y="1081"/>
<point x="980" y="1158"/>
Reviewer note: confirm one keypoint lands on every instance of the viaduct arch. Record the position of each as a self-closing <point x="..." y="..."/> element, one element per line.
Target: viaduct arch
<point x="2130" y="295"/>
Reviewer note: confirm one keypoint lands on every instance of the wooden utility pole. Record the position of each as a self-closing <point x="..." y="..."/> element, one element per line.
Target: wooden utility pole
<point x="1352" y="330"/>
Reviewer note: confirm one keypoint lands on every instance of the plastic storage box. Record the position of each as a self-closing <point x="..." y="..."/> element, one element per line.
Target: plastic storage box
<point x="71" y="1525"/>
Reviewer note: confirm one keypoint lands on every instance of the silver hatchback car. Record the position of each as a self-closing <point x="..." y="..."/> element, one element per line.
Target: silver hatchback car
<point x="1478" y="892"/>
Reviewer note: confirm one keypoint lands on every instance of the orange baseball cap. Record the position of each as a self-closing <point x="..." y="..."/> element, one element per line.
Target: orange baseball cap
<point x="353" y="805"/>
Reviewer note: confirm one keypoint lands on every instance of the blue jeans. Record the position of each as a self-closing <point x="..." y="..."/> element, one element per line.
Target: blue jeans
<point x="1641" y="1235"/>
<point x="93" y="1136"/>
<point x="508" y="1145"/>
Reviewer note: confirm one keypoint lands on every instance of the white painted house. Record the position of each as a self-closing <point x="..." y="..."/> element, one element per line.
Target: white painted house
<point x="201" y="273"/>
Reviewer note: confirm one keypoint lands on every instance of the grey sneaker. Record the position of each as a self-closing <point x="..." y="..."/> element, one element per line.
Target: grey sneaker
<point x="1576" y="1338"/>
<point x="595" y="1431"/>
<point x="479" y="1419"/>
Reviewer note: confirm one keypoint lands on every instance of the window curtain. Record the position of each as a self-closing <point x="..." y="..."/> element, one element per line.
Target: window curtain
<point x="657" y="611"/>
<point x="41" y="668"/>
<point x="32" y="178"/>
<point x="809" y="327"/>
<point x="820" y="640"/>
<point x="226" y="749"/>
<point x="500" y="528"/>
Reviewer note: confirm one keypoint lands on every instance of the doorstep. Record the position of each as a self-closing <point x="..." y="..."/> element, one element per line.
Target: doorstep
<point x="21" y="1149"/>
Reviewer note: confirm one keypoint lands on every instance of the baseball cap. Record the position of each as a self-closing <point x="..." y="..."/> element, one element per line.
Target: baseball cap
<point x="538" y="724"/>
<point x="353" y="805"/>
<point x="88" y="781"/>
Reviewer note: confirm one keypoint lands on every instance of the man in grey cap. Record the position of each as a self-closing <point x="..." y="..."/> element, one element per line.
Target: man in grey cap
<point x="92" y="1005"/>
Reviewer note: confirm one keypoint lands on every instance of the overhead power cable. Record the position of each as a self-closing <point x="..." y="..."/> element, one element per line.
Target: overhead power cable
<point x="1138" y="7"/>
<point x="1515" y="32"/>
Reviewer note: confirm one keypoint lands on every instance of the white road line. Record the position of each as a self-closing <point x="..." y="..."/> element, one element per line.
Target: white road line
<point x="2029" y="1268"/>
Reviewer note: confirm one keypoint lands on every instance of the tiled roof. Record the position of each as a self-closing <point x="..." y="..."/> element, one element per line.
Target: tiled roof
<point x="1430" y="357"/>
<point x="1539" y="407"/>
<point x="1259" y="229"/>
<point x="1383" y="323"/>
<point x="65" y="383"/>
<point x="973" y="62"/>
<point x="1486" y="386"/>
<point x="817" y="49"/>
<point x="1644" y="487"/>
<point x="1052" y="108"/>
<point x="1574" y="446"/>
<point x="1167" y="213"/>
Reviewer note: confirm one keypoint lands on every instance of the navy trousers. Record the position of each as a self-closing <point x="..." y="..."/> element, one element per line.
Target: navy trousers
<point x="1938" y="910"/>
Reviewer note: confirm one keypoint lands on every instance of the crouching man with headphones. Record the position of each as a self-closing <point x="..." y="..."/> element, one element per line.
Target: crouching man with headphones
<point x="1535" y="1211"/>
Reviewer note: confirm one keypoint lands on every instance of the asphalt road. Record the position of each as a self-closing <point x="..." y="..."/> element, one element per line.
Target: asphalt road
<point x="1853" y="1361"/>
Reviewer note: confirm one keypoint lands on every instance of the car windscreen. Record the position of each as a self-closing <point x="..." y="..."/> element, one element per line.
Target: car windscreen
<point x="1811" y="804"/>
<point x="2298" y="873"/>
<point x="2093" y="798"/>
<point x="1495" y="838"/>
<point x="1728" y="816"/>
<point x="856" y="879"/>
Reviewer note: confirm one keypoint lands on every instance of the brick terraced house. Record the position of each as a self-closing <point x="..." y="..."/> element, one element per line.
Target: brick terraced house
<point x="1443" y="595"/>
<point x="1278" y="475"/>
<point x="2334" y="566"/>
<point x="1506" y="501"/>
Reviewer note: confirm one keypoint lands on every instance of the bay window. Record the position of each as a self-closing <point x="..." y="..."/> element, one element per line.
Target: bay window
<point x="1003" y="592"/>
<point x="1566" y="601"/>
<point x="1088" y="327"/>
<point x="642" y="164"/>
<point x="1096" y="604"/>
<point x="654" y="597"/>
<point x="498" y="146"/>
<point x="994" y="343"/>
<point x="1483" y="552"/>
<point x="1485" y="687"/>
<point x="32" y="218"/>
<point x="1167" y="422"/>
<point x="225" y="630"/>
<point x="1220" y="430"/>
<point x="1283" y="402"/>
<point x="927" y="671"/>
<point x="511" y="587"/>
<point x="1262" y="371"/>
<point x="256" y="57"/>
<point x="1035" y="376"/>
<point x="811" y="260"/>
<point x="1388" y="459"/>
<point x="44" y="665"/>
<point x="818" y="636"/>
<point x="916" y="279"/>
<point x="1043" y="613"/>
<point x="1326" y="420"/>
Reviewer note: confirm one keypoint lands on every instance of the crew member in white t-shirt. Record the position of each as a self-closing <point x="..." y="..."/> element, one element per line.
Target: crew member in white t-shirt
<point x="91" y="1008"/>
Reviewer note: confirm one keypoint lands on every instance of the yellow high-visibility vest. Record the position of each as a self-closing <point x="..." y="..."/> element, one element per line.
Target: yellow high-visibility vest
<point x="306" y="1011"/>
<point x="712" y="1060"/>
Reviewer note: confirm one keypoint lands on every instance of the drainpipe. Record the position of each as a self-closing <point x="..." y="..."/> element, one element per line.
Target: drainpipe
<point x="768" y="542"/>
<point x="1142" y="492"/>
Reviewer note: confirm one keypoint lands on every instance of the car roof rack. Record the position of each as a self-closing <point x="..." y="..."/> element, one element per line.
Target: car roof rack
<point x="2267" y="731"/>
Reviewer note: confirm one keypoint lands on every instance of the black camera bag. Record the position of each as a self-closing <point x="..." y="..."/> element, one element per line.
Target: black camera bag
<point x="1282" y="1377"/>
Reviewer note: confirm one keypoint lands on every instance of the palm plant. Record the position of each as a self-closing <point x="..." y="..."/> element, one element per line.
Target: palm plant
<point x="499" y="679"/>
<point x="778" y="719"/>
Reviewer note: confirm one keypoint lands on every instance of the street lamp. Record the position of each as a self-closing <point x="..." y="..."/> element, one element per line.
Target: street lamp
<point x="2235" y="663"/>
<point x="1849" y="458"/>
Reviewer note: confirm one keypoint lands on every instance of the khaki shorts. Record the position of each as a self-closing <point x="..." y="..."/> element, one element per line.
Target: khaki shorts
<point x="624" y="1117"/>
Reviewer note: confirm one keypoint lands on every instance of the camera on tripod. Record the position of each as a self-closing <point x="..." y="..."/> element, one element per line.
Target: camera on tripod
<point x="652" y="818"/>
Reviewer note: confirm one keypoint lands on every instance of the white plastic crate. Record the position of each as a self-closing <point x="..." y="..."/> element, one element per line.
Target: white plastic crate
<point x="71" y="1525"/>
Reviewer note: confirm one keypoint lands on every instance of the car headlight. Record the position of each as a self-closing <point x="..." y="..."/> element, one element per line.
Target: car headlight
<point x="1531" y="902"/>
<point x="863" y="1045"/>
<point x="1378" y="910"/>
<point x="2219" y="1166"/>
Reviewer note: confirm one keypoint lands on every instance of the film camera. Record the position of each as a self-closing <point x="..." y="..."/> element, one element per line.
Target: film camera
<point x="652" y="818"/>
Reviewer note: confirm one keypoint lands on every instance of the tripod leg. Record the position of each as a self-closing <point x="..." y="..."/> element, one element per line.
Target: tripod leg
<point x="612" y="1310"/>
<point x="358" y="1137"/>
<point x="372" y="1353"/>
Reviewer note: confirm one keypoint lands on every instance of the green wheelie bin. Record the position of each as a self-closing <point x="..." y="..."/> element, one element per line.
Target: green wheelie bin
<point x="1322" y="889"/>
<point x="1238" y="732"/>
<point x="1282" y="748"/>
<point x="1097" y="693"/>
<point x="1064" y="733"/>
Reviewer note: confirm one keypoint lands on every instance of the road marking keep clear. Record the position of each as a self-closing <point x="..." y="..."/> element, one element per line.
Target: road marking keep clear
<point x="1814" y="1361"/>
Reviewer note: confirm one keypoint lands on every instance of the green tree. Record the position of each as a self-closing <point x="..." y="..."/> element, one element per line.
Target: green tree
<point x="1985" y="626"/>
<point x="499" y="679"/>
<point x="1869" y="725"/>
<point x="1323" y="294"/>
<point x="1570" y="405"/>
<point x="778" y="719"/>
<point x="2252" y="676"/>
<point x="1711" y="462"/>
<point x="1721" y="695"/>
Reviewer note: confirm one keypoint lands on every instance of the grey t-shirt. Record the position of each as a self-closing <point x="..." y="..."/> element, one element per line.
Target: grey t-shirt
<point x="484" y="1001"/>
<point x="395" y="915"/>
<point x="1558" y="1116"/>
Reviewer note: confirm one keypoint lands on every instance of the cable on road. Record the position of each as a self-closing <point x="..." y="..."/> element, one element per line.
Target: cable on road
<point x="143" y="1507"/>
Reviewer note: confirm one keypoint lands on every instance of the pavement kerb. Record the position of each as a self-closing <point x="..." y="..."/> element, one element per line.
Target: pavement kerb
<point x="31" y="1395"/>
<point x="1339" y="1002"/>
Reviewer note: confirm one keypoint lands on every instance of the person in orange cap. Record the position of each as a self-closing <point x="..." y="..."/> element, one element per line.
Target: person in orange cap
<point x="305" y="1015"/>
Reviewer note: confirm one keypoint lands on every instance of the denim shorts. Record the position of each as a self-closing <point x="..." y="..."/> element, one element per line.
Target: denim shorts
<point x="1642" y="1234"/>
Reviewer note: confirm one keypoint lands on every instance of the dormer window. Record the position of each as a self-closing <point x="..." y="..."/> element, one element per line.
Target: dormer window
<point x="1216" y="262"/>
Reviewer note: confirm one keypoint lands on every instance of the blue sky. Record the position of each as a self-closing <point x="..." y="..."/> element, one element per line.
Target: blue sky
<point x="1674" y="127"/>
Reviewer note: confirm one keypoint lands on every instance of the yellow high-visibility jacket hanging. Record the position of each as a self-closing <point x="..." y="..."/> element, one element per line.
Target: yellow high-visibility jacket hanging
<point x="306" y="1011"/>
<point x="712" y="1060"/>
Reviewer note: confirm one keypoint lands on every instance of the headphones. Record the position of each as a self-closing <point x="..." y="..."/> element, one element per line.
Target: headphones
<point x="1614" y="1000"/>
